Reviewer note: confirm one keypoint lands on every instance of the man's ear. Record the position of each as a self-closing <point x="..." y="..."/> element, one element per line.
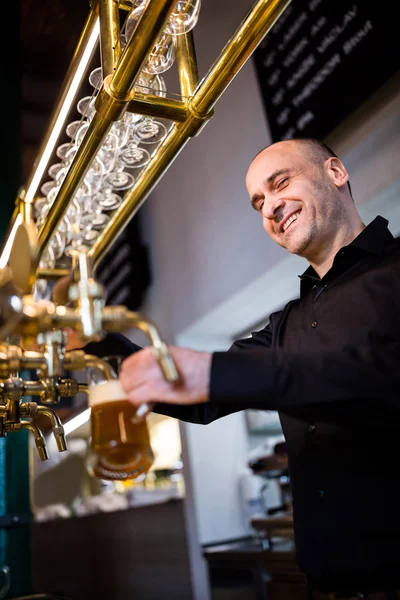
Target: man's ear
<point x="336" y="171"/>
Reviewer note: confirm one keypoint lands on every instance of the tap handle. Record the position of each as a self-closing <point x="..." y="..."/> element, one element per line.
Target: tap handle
<point x="166" y="362"/>
<point x="169" y="371"/>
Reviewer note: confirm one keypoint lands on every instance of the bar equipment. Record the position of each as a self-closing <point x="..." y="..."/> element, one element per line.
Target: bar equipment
<point x="129" y="134"/>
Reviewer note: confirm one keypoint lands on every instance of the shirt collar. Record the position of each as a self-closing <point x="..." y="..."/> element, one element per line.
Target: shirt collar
<point x="372" y="239"/>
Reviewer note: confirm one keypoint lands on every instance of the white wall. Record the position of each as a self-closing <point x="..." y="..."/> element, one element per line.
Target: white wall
<point x="215" y="272"/>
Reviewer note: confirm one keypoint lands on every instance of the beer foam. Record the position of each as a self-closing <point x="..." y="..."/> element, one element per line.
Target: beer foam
<point x="109" y="391"/>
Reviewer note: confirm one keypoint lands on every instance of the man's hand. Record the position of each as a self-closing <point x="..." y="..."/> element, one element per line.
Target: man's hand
<point x="143" y="381"/>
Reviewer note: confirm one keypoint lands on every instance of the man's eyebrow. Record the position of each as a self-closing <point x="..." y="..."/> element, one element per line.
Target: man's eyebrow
<point x="267" y="181"/>
<point x="276" y="174"/>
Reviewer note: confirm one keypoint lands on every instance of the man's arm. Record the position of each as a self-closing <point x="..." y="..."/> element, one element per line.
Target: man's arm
<point x="279" y="380"/>
<point x="269" y="379"/>
<point x="118" y="344"/>
<point x="201" y="413"/>
<point x="113" y="344"/>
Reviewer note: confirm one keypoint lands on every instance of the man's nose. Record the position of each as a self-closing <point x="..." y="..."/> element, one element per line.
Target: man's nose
<point x="271" y="208"/>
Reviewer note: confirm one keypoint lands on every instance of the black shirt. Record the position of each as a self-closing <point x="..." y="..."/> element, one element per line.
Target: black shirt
<point x="333" y="372"/>
<point x="329" y="362"/>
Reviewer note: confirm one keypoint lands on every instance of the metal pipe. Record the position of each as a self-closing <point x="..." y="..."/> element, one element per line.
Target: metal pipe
<point x="53" y="273"/>
<point x="33" y="388"/>
<point x="32" y="360"/>
<point x="125" y="5"/>
<point x="110" y="43"/>
<point x="39" y="438"/>
<point x="154" y="106"/>
<point x="187" y="64"/>
<point x="87" y="32"/>
<point x="110" y="105"/>
<point x="96" y="133"/>
<point x="26" y="210"/>
<point x="236" y="52"/>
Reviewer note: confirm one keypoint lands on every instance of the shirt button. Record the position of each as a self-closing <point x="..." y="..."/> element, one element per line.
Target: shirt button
<point x="311" y="428"/>
<point x="314" y="324"/>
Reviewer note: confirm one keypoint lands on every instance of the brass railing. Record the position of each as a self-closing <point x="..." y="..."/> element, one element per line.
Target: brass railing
<point x="117" y="95"/>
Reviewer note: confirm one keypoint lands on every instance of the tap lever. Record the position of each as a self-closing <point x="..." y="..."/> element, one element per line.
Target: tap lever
<point x="159" y="348"/>
<point x="166" y="362"/>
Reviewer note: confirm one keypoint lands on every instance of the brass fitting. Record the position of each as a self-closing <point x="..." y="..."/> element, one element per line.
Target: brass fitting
<point x="52" y="345"/>
<point x="89" y="298"/>
<point x="108" y="104"/>
<point x="195" y="121"/>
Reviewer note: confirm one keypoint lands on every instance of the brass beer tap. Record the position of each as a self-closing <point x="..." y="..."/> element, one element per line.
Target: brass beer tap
<point x="44" y="324"/>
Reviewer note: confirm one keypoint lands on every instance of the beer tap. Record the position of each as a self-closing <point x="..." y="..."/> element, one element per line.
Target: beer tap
<point x="44" y="325"/>
<point x="89" y="317"/>
<point x="14" y="413"/>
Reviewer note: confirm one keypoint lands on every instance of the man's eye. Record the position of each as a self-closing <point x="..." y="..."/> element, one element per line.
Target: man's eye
<point x="283" y="182"/>
<point x="260" y="206"/>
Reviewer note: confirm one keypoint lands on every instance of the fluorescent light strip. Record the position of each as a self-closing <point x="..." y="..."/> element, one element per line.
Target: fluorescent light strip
<point x="59" y="124"/>
<point x="5" y="255"/>
<point x="77" y="421"/>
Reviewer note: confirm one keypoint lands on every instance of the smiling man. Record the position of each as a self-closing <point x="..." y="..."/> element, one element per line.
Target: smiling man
<point x="329" y="362"/>
<point x="301" y="190"/>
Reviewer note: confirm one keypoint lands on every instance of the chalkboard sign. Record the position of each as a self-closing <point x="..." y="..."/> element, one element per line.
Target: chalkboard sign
<point x="321" y="60"/>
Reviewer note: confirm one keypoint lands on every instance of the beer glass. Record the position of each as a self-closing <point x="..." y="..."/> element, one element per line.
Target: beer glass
<point x="120" y="443"/>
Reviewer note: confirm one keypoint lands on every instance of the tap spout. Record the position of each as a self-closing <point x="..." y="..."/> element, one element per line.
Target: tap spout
<point x="57" y="427"/>
<point x="39" y="438"/>
<point x="102" y="365"/>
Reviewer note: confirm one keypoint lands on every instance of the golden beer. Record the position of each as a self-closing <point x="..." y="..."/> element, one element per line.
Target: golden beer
<point x="120" y="441"/>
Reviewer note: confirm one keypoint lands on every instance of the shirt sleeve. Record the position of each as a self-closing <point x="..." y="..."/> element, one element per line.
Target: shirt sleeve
<point x="215" y="409"/>
<point x="118" y="344"/>
<point x="113" y="344"/>
<point x="278" y="380"/>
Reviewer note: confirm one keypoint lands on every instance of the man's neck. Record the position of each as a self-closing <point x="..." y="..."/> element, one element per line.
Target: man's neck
<point x="322" y="261"/>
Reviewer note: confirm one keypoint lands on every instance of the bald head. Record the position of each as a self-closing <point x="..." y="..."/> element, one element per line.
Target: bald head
<point x="300" y="189"/>
<point x="313" y="150"/>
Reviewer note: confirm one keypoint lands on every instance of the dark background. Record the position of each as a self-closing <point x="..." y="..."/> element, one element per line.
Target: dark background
<point x="321" y="61"/>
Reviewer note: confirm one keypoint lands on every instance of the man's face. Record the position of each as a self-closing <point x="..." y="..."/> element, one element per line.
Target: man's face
<point x="299" y="202"/>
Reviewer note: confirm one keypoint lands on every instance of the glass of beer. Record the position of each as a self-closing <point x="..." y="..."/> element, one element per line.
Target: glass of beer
<point x="120" y="443"/>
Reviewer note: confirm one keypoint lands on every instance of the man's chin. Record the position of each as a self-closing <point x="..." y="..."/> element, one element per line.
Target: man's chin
<point x="296" y="246"/>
